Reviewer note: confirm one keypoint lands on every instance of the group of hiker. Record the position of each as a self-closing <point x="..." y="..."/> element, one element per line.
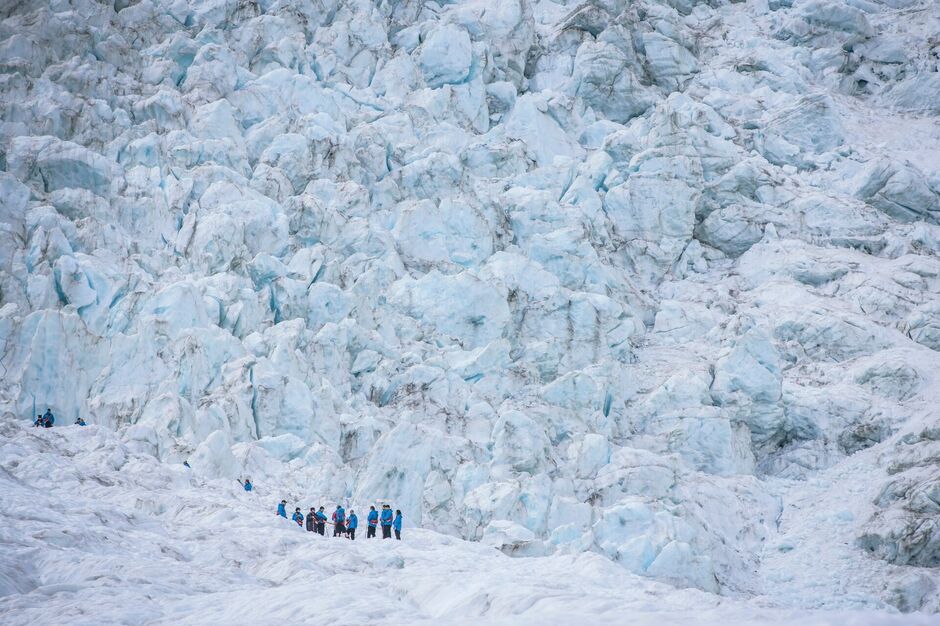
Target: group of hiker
<point x="47" y="419"/>
<point x="344" y="526"/>
<point x="315" y="520"/>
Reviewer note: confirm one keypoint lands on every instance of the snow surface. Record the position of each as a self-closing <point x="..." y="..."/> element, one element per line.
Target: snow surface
<point x="96" y="533"/>
<point x="648" y="291"/>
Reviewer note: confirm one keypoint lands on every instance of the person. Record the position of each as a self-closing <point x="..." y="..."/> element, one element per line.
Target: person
<point x="386" y="521"/>
<point x="186" y="464"/>
<point x="312" y="520"/>
<point x="38" y="421"/>
<point x="48" y="419"/>
<point x="282" y="509"/>
<point x="339" y="521"/>
<point x="321" y="521"/>
<point x="298" y="517"/>
<point x="353" y="525"/>
<point x="396" y="524"/>
<point x="80" y="422"/>
<point x="247" y="484"/>
<point x="373" y="520"/>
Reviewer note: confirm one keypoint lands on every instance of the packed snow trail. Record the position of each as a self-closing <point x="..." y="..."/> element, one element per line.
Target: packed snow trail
<point x="95" y="534"/>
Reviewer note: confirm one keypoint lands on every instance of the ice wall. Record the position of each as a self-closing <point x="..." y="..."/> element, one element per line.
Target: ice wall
<point x="560" y="276"/>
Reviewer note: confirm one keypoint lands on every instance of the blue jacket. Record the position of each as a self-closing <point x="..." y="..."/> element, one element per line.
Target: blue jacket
<point x="321" y="516"/>
<point x="247" y="486"/>
<point x="353" y="521"/>
<point x="386" y="517"/>
<point x="397" y="523"/>
<point x="339" y="515"/>
<point x="298" y="517"/>
<point x="373" y="518"/>
<point x="281" y="510"/>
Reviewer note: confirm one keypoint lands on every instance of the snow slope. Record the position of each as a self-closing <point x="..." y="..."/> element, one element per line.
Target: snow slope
<point x="94" y="533"/>
<point x="654" y="282"/>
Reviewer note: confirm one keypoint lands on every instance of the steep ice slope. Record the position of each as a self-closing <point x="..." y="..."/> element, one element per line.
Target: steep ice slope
<point x="655" y="280"/>
<point x="95" y="533"/>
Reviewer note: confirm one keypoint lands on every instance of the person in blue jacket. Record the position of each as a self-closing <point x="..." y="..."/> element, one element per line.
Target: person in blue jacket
<point x="339" y="521"/>
<point x="80" y="422"/>
<point x="396" y="524"/>
<point x="48" y="419"/>
<point x="353" y="524"/>
<point x="321" y="521"/>
<point x="386" y="520"/>
<point x="247" y="484"/>
<point x="373" y="520"/>
<point x="298" y="517"/>
<point x="38" y="421"/>
<point x="282" y="509"/>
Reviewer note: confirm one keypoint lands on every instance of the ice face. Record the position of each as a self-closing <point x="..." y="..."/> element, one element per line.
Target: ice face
<point x="653" y="280"/>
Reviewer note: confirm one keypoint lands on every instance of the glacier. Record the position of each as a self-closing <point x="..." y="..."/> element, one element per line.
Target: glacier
<point x="645" y="290"/>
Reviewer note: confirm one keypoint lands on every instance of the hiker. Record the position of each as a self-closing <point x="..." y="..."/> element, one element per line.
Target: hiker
<point x="298" y="517"/>
<point x="339" y="521"/>
<point x="386" y="521"/>
<point x="38" y="422"/>
<point x="373" y="520"/>
<point x="397" y="524"/>
<point x="312" y="520"/>
<point x="80" y="422"/>
<point x="247" y="484"/>
<point x="186" y="464"/>
<point x="353" y="524"/>
<point x="321" y="521"/>
<point x="48" y="419"/>
<point x="282" y="509"/>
